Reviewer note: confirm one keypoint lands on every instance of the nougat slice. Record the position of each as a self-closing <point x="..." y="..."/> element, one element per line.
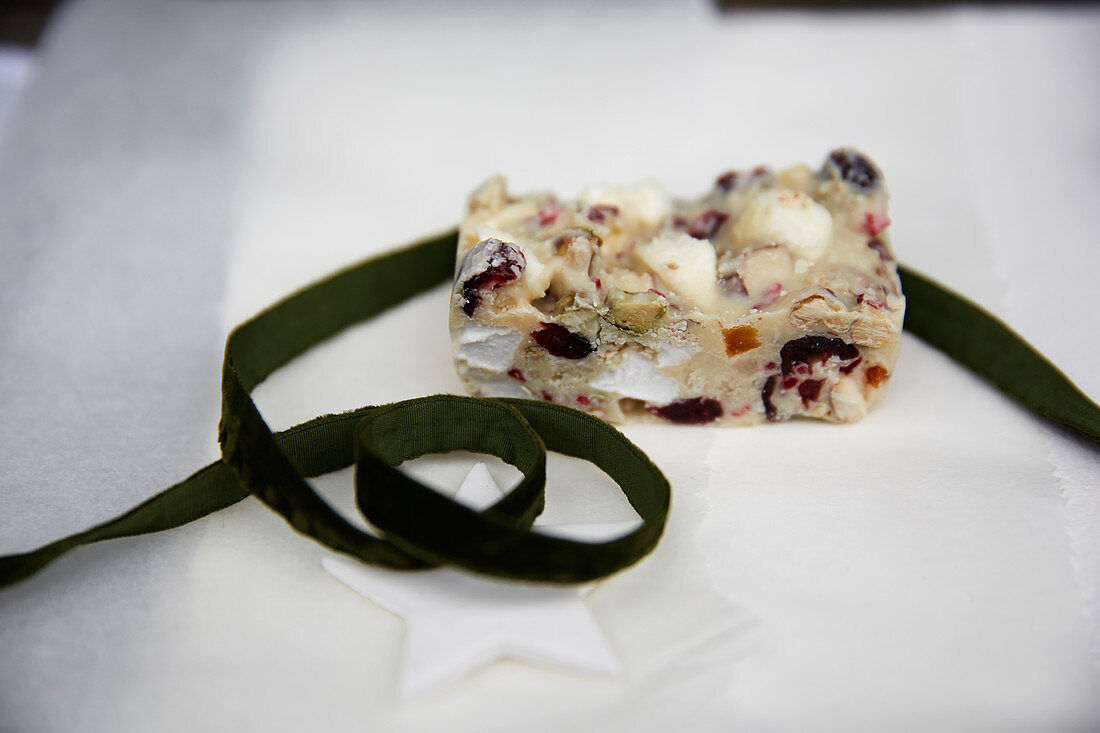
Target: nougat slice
<point x="773" y="295"/>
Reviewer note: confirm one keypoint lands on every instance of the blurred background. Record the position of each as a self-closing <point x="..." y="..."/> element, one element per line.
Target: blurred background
<point x="21" y="24"/>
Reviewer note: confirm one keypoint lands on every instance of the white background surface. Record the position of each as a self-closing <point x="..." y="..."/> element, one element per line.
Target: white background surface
<point x="174" y="167"/>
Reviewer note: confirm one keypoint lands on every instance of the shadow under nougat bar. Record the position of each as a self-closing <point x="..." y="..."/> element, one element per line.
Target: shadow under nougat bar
<point x="773" y="295"/>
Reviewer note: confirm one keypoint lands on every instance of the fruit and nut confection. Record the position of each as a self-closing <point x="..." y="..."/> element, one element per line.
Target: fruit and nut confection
<point x="773" y="295"/>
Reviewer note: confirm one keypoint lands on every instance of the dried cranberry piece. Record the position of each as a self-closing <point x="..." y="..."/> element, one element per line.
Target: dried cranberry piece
<point x="707" y="224"/>
<point x="693" y="411"/>
<point x="602" y="212"/>
<point x="766" y="397"/>
<point x="847" y="368"/>
<point x="852" y="167"/>
<point x="810" y="349"/>
<point x="726" y="182"/>
<point x="516" y="374"/>
<point x="883" y="251"/>
<point x="809" y="390"/>
<point x="734" y="284"/>
<point x="548" y="215"/>
<point x="560" y="341"/>
<point x="504" y="265"/>
<point x="874" y="223"/>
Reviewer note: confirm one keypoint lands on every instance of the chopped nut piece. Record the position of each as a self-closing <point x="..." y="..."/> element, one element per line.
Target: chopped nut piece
<point x="822" y="309"/>
<point x="874" y="326"/>
<point x="847" y="401"/>
<point x="635" y="312"/>
<point x="762" y="267"/>
<point x="581" y="320"/>
<point x="489" y="196"/>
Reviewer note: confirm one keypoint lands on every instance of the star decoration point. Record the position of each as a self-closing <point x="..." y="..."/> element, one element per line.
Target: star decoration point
<point x="457" y="623"/>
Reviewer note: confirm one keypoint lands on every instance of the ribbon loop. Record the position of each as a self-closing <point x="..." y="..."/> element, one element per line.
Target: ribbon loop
<point x="395" y="433"/>
<point x="500" y="541"/>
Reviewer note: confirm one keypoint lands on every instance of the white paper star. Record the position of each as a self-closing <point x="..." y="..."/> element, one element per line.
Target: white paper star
<point x="456" y="624"/>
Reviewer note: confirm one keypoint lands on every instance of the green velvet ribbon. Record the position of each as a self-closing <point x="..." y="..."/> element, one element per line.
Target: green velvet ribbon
<point x="421" y="528"/>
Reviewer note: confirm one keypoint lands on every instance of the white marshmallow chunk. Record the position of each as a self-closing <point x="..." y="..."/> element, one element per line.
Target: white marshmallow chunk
<point x="646" y="201"/>
<point x="504" y="387"/>
<point x="639" y="378"/>
<point x="688" y="265"/>
<point x="487" y="347"/>
<point x="783" y="216"/>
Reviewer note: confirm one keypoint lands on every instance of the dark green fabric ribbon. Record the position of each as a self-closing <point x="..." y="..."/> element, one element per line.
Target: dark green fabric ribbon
<point x="420" y="528"/>
<point x="990" y="349"/>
